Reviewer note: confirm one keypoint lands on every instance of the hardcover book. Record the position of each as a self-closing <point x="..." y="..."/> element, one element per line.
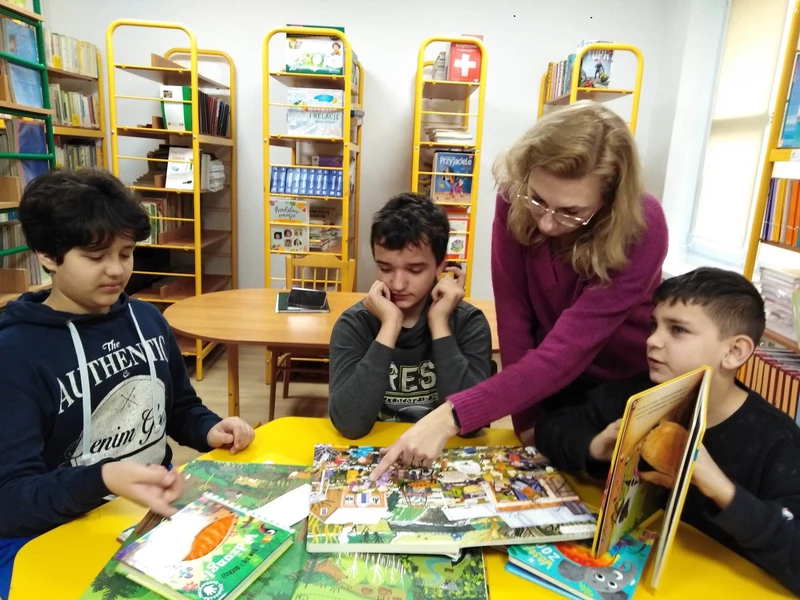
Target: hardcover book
<point x="470" y="497"/>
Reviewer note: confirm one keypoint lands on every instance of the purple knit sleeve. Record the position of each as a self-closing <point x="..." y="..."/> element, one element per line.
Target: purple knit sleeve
<point x="579" y="334"/>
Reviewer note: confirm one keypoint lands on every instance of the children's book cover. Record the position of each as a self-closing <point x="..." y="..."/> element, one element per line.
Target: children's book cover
<point x="315" y="112"/>
<point x="248" y="485"/>
<point x="595" y="66"/>
<point x="470" y="497"/>
<point x="286" y="232"/>
<point x="454" y="182"/>
<point x="209" y="550"/>
<point x="572" y="568"/>
<point x="457" y="242"/>
<point x="653" y="460"/>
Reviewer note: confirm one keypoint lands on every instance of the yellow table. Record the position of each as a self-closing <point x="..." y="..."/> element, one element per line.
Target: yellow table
<point x="63" y="562"/>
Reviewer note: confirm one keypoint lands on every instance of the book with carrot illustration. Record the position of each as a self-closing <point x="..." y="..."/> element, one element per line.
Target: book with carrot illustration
<point x="209" y="550"/>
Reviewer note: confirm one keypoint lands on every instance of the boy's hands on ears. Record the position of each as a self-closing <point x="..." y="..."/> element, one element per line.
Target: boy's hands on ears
<point x="152" y="486"/>
<point x="447" y="294"/>
<point x="602" y="446"/>
<point x="233" y="433"/>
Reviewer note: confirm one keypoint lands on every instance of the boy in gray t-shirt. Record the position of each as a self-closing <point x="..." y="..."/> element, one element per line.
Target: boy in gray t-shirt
<point x="412" y="342"/>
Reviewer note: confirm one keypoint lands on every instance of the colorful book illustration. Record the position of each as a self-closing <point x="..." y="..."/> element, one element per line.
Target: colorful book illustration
<point x="208" y="550"/>
<point x="318" y="112"/>
<point x="571" y="569"/>
<point x="595" y="66"/>
<point x="289" y="221"/>
<point x="790" y="132"/>
<point x="454" y="184"/>
<point x="661" y="432"/>
<point x="297" y="573"/>
<point x="470" y="497"/>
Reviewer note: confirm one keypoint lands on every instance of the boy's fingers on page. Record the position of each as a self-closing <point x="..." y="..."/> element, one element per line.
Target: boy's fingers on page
<point x="389" y="458"/>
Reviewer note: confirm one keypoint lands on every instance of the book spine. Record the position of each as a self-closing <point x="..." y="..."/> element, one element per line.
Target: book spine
<point x="303" y="190"/>
<point x="282" y="181"/>
<point x="295" y="181"/>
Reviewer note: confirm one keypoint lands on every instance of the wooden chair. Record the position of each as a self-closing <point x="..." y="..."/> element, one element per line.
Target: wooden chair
<point x="322" y="272"/>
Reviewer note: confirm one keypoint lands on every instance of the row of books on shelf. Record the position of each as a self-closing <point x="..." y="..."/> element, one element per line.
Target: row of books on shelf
<point x="76" y="155"/>
<point x="11" y="236"/>
<point x="328" y="529"/>
<point x="595" y="71"/>
<point x="70" y="54"/>
<point x="775" y="374"/>
<point x="782" y="213"/>
<point x="300" y="226"/>
<point x="163" y="208"/>
<point x="7" y="216"/>
<point x="73" y="109"/>
<point x="306" y="181"/>
<point x="176" y="110"/>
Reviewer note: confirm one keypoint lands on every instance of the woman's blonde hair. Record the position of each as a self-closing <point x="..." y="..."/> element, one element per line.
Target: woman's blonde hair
<point x="582" y="139"/>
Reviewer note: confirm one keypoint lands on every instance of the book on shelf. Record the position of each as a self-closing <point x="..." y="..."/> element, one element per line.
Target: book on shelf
<point x="315" y="112"/>
<point x="26" y="263"/>
<point x="75" y="154"/>
<point x="27" y="137"/>
<point x="324" y="160"/>
<point x="469" y="497"/>
<point x="459" y="237"/>
<point x="453" y="181"/>
<point x="782" y="213"/>
<point x="70" y="54"/>
<point x="595" y="66"/>
<point x="289" y="220"/>
<point x="176" y="110"/>
<point x="456" y="135"/>
<point x="318" y="54"/>
<point x="790" y="132"/>
<point x="653" y="461"/>
<point x="321" y="238"/>
<point x="73" y="109"/>
<point x="570" y="568"/>
<point x="464" y="61"/>
<point x="24" y="83"/>
<point x="775" y="374"/>
<point x="180" y="169"/>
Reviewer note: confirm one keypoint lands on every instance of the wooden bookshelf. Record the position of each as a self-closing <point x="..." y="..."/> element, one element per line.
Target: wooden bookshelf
<point x="595" y="94"/>
<point x="79" y="132"/>
<point x="781" y="340"/>
<point x="34" y="110"/>
<point x="213" y="218"/>
<point x="309" y="80"/>
<point x="62" y="74"/>
<point x="457" y="91"/>
<point x="22" y="12"/>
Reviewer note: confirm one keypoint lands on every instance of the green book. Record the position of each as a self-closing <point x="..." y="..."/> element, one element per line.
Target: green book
<point x="177" y="115"/>
<point x="282" y="306"/>
<point x="209" y="550"/>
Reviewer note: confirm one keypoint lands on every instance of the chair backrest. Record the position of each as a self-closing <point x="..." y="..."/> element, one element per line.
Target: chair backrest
<point x="321" y="272"/>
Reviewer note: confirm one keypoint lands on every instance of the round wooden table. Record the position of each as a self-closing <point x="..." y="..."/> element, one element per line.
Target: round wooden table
<point x="248" y="316"/>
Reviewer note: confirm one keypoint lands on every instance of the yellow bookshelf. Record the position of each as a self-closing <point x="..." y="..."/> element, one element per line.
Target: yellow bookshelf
<point x="210" y="264"/>
<point x="443" y="102"/>
<point x="597" y="94"/>
<point x="303" y="147"/>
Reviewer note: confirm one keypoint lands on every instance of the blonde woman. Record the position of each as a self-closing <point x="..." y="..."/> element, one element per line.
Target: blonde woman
<point x="577" y="249"/>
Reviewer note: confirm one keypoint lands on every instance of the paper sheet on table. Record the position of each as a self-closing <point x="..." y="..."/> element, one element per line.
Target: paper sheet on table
<point x="470" y="511"/>
<point x="538" y="517"/>
<point x="287" y="510"/>
<point x="357" y="516"/>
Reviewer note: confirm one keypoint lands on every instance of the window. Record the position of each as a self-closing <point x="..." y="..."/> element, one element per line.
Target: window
<point x="747" y="71"/>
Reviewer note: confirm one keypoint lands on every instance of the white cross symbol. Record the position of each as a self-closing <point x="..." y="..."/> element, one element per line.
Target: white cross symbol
<point x="465" y="64"/>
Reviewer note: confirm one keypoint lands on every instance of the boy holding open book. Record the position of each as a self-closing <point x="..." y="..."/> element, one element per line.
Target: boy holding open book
<point x="92" y="382"/>
<point x="746" y="491"/>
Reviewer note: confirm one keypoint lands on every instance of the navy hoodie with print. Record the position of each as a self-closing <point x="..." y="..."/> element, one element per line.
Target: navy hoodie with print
<point x="77" y="391"/>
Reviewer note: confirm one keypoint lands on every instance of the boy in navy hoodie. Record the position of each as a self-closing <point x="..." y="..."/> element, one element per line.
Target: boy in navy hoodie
<point x="91" y="382"/>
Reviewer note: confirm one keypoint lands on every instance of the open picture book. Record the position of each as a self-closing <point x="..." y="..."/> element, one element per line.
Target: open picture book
<point x="653" y="461"/>
<point x="470" y="497"/>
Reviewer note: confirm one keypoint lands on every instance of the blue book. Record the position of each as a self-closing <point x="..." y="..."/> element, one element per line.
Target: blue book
<point x="289" y="180"/>
<point x="303" y="191"/>
<point x="326" y="183"/>
<point x="455" y="182"/>
<point x="31" y="140"/>
<point x="338" y="184"/>
<point x="281" y="181"/>
<point x="20" y="39"/>
<point x="318" y="181"/>
<point x="26" y="86"/>
<point x="273" y="180"/>
<point x="790" y="133"/>
<point x="571" y="567"/>
<point x="295" y="181"/>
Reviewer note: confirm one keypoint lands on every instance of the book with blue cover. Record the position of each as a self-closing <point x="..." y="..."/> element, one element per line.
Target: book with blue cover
<point x="454" y="182"/>
<point x="570" y="568"/>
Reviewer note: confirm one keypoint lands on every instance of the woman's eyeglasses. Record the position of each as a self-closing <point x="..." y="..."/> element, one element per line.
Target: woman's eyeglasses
<point x="540" y="210"/>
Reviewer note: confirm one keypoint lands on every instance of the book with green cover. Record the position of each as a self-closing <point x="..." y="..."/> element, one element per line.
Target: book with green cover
<point x="470" y="497"/>
<point x="176" y="107"/>
<point x="298" y="575"/>
<point x="209" y="550"/>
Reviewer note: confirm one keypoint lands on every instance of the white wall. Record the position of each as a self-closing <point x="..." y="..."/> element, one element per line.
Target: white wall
<point x="521" y="37"/>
